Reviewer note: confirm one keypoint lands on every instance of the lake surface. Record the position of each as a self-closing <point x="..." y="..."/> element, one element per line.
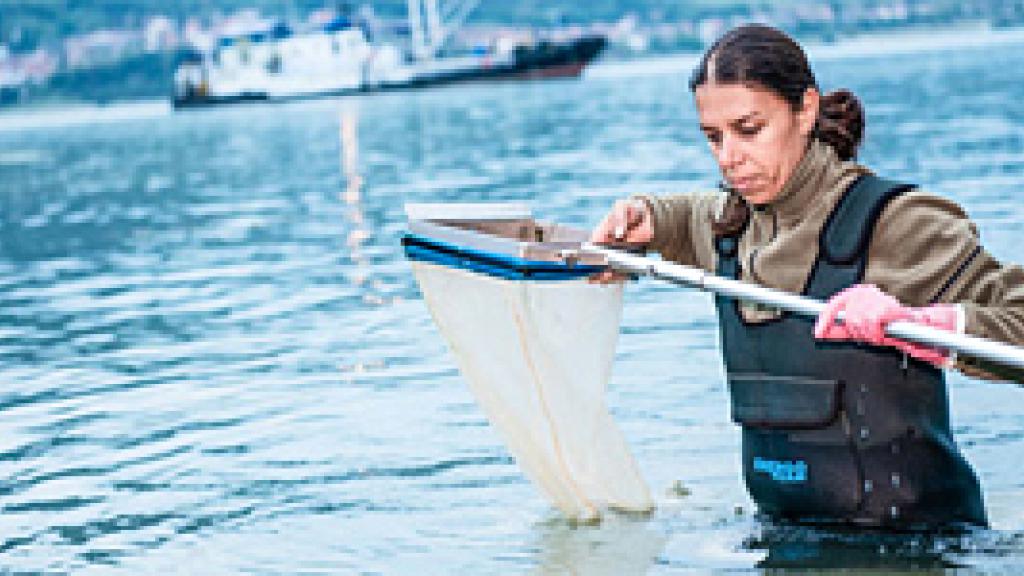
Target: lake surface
<point x="214" y="358"/>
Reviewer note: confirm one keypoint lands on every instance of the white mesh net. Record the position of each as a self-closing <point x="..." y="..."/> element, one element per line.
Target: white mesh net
<point x="537" y="356"/>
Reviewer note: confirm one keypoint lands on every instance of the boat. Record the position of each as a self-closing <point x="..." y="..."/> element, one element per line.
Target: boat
<point x="339" y="58"/>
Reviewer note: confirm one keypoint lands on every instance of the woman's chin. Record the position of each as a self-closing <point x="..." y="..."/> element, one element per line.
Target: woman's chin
<point x="756" y="196"/>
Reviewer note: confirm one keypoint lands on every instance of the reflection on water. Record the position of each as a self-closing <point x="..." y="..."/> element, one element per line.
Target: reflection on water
<point x="215" y="359"/>
<point x="618" y="546"/>
<point x="348" y="130"/>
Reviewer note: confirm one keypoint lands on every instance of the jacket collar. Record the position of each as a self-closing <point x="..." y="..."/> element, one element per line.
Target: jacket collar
<point x="816" y="179"/>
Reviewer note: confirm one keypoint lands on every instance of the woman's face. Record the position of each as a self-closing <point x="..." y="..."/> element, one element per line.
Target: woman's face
<point x="756" y="136"/>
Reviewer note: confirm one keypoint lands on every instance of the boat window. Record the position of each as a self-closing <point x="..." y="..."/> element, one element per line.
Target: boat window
<point x="274" y="63"/>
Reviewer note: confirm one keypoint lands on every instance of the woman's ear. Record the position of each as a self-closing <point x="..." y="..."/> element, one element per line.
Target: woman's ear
<point x="807" y="115"/>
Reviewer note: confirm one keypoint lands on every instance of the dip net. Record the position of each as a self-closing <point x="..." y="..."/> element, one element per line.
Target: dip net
<point x="537" y="356"/>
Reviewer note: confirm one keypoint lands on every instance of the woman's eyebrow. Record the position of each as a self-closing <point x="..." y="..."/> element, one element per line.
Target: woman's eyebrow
<point x="736" y="122"/>
<point x="745" y="118"/>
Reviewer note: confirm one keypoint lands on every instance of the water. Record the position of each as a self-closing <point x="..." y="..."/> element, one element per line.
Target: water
<point x="215" y="360"/>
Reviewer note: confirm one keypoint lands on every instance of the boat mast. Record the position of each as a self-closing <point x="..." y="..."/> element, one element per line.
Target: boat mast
<point x="419" y="48"/>
<point x="427" y="23"/>
<point x="453" y="17"/>
<point x="434" y="32"/>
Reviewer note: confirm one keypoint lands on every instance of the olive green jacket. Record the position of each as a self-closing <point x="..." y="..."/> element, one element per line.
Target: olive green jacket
<point x="924" y="249"/>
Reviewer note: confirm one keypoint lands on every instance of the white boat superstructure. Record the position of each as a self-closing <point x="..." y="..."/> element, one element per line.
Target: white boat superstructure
<point x="281" y="65"/>
<point x="339" y="58"/>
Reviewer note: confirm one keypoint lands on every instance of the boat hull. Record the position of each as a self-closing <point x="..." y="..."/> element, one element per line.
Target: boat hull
<point x="545" y="60"/>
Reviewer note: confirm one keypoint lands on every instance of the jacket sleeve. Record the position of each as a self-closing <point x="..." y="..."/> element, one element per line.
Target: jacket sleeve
<point x="992" y="295"/>
<point x="682" y="227"/>
<point x="925" y="250"/>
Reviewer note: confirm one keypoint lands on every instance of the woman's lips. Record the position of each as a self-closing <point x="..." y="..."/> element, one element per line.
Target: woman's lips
<point x="742" y="183"/>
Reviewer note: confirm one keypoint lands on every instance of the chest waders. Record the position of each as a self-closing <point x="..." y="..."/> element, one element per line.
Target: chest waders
<point x="841" y="432"/>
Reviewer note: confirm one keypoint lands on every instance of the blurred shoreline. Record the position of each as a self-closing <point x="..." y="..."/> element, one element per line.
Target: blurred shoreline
<point x="885" y="43"/>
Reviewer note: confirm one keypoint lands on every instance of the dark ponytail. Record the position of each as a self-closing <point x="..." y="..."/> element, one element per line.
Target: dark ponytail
<point x="763" y="56"/>
<point x="840" y="123"/>
<point x="733" y="217"/>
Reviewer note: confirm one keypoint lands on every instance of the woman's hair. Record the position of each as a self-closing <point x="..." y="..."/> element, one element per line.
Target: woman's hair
<point x="762" y="56"/>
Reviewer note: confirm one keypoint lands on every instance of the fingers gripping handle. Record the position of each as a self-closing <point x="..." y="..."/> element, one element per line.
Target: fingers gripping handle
<point x="635" y="212"/>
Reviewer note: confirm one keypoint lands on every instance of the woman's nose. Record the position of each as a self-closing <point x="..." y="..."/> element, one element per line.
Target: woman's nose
<point x="728" y="155"/>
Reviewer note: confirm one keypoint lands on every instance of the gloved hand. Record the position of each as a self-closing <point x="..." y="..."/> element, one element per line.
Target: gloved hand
<point x="867" y="311"/>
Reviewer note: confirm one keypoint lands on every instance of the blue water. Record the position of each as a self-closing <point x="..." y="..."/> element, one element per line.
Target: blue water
<point x="214" y="358"/>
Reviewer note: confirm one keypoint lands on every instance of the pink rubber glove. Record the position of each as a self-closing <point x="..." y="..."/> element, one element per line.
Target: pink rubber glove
<point x="867" y="311"/>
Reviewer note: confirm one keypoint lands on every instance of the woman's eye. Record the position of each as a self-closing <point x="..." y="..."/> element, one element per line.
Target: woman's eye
<point x="749" y="130"/>
<point x="713" y="138"/>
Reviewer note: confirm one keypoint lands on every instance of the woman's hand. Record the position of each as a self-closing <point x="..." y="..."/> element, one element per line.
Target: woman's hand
<point x="629" y="223"/>
<point x="867" y="311"/>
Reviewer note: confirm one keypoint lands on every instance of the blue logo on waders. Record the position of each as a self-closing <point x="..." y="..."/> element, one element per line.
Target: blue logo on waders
<point x="782" y="470"/>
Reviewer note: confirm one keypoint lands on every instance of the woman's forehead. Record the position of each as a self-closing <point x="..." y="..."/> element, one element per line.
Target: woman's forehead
<point x="721" y="103"/>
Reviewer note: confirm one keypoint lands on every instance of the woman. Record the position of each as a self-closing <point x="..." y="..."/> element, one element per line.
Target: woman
<point x="841" y="424"/>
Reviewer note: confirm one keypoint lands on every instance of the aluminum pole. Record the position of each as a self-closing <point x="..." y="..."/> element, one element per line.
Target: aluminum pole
<point x="974" y="346"/>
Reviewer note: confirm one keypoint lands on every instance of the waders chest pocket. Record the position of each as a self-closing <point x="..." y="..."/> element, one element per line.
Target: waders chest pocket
<point x="763" y="401"/>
